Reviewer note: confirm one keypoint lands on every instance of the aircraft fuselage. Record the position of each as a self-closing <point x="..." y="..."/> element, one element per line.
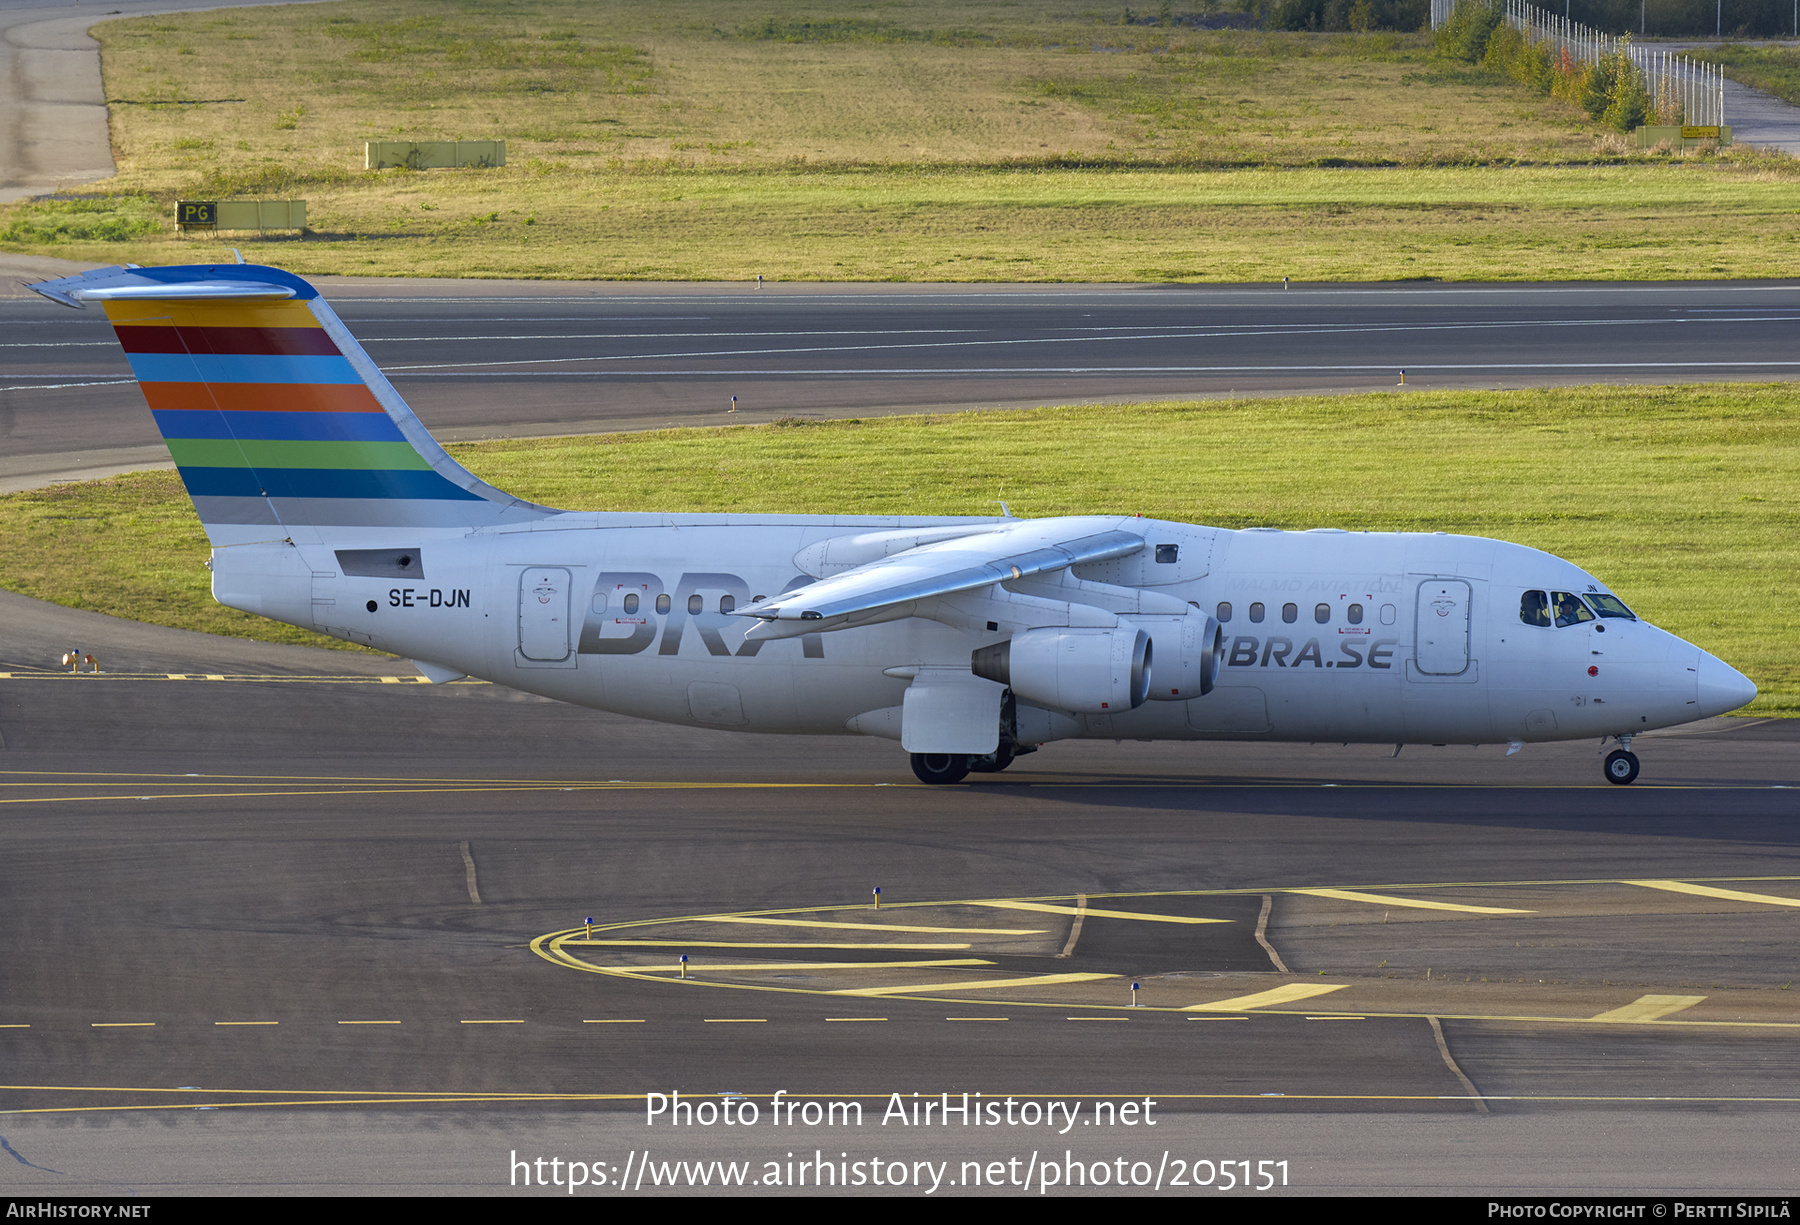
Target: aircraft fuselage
<point x="1324" y="635"/>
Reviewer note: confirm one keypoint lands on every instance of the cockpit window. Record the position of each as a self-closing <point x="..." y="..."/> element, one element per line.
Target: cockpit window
<point x="1569" y="609"/>
<point x="1534" y="609"/>
<point x="1609" y="606"/>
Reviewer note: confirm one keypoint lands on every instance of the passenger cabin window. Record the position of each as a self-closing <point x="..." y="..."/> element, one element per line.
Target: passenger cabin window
<point x="599" y="601"/>
<point x="1322" y="613"/>
<point x="1534" y="609"/>
<point x="696" y="603"/>
<point x="1224" y="612"/>
<point x="1290" y="613"/>
<point x="1256" y="613"/>
<point x="1354" y="614"/>
<point x="1166" y="554"/>
<point x="1569" y="609"/>
<point x="1387" y="614"/>
<point x="727" y="603"/>
<point x="663" y="603"/>
<point x="631" y="603"/>
<point x="1609" y="606"/>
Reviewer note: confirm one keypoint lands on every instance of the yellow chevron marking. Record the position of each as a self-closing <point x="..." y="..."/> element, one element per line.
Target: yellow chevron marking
<point x="1379" y="899"/>
<point x="1730" y="895"/>
<point x="1650" y="1008"/>
<point x="1264" y="999"/>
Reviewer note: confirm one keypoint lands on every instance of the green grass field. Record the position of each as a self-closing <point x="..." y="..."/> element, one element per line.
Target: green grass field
<point x="1682" y="499"/>
<point x="913" y="140"/>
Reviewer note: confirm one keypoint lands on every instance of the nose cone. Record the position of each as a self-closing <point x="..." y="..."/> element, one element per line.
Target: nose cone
<point x="1722" y="687"/>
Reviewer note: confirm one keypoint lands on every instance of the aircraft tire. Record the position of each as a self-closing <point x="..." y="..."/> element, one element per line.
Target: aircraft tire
<point x="939" y="768"/>
<point x="1621" y="767"/>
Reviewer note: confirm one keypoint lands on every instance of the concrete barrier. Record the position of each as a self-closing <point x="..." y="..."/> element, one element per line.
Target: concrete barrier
<point x="433" y="154"/>
<point x="240" y="215"/>
<point x="1690" y="136"/>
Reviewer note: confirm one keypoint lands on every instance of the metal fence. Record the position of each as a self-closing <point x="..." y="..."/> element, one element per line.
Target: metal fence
<point x="1684" y="90"/>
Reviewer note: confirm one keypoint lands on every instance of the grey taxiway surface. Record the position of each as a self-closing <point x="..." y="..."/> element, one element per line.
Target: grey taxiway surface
<point x="487" y="358"/>
<point x="286" y="920"/>
<point x="269" y="924"/>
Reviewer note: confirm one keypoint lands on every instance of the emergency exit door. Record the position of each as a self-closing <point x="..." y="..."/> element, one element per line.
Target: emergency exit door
<point x="1442" y="628"/>
<point x="544" y="613"/>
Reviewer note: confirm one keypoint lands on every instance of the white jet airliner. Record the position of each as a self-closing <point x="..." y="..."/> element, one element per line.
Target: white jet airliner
<point x="970" y="641"/>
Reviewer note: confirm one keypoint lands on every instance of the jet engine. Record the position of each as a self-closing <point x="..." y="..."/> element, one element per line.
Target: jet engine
<point x="1092" y="670"/>
<point x="1188" y="652"/>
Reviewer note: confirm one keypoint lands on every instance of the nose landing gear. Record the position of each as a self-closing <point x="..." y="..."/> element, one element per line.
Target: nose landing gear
<point x="1621" y="765"/>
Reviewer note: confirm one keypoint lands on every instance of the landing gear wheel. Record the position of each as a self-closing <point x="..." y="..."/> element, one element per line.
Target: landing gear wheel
<point x="993" y="763"/>
<point x="1621" y="767"/>
<point x="940" y="767"/>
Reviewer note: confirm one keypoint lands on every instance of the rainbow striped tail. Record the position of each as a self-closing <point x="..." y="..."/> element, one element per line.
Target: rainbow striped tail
<point x="281" y="426"/>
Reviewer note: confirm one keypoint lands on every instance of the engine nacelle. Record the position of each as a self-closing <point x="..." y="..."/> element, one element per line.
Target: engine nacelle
<point x="1093" y="670"/>
<point x="1188" y="653"/>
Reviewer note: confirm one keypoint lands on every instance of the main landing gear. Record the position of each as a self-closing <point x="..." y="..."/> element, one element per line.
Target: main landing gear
<point x="940" y="767"/>
<point x="1621" y="764"/>
<point x="996" y="761"/>
<point x="954" y="767"/>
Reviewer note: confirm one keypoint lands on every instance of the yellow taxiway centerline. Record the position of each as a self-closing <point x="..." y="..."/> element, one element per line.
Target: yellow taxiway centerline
<point x="990" y="984"/>
<point x="863" y="927"/>
<point x="756" y="944"/>
<point x="694" y="966"/>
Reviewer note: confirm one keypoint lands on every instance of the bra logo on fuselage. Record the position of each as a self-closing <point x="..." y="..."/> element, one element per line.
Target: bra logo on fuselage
<point x="614" y="625"/>
<point x="1249" y="652"/>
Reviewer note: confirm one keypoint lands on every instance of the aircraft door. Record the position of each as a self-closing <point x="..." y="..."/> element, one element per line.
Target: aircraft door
<point x="1442" y="627"/>
<point x="544" y="614"/>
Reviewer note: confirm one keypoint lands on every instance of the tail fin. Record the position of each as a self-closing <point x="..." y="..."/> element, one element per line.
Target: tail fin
<point x="279" y="423"/>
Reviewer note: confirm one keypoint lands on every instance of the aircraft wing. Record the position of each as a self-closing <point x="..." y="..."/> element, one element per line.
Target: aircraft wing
<point x="1015" y="550"/>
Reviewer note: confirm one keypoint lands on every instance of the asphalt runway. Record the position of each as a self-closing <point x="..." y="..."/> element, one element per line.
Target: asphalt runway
<point x="480" y="359"/>
<point x="314" y="926"/>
